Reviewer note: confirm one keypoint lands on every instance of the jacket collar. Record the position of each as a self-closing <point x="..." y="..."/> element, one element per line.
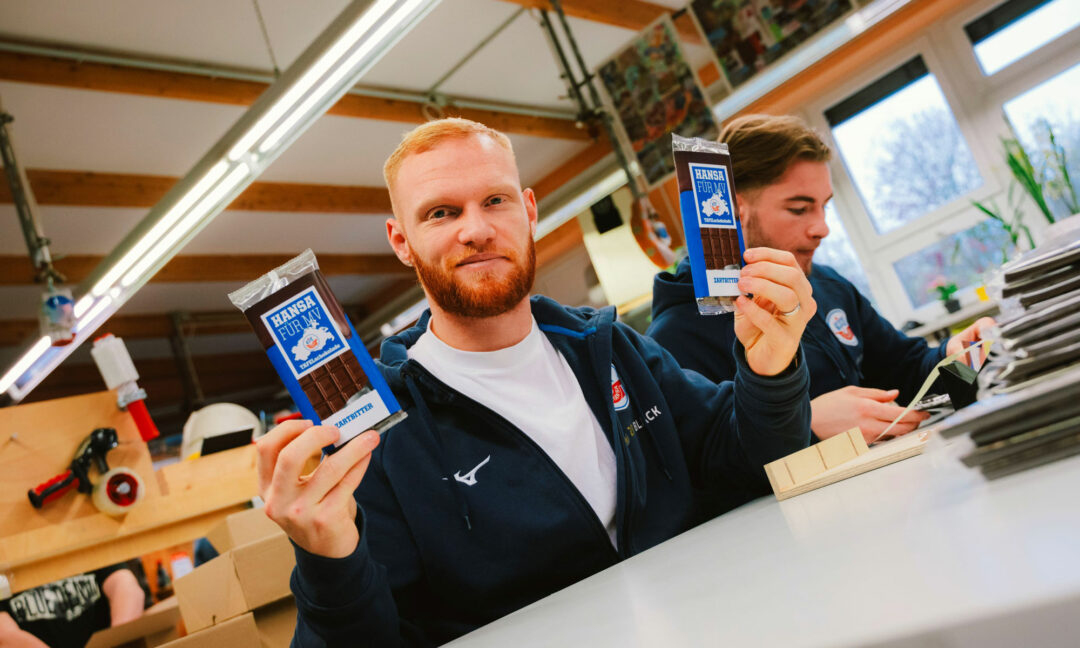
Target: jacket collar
<point x="551" y="316"/>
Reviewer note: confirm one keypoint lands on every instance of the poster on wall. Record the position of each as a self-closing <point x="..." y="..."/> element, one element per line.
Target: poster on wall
<point x="747" y="35"/>
<point x="653" y="92"/>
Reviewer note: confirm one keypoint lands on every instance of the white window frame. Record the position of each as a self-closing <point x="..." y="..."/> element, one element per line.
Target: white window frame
<point x="976" y="102"/>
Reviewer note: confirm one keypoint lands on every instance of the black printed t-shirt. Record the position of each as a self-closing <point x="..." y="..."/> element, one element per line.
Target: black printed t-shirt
<point x="64" y="613"/>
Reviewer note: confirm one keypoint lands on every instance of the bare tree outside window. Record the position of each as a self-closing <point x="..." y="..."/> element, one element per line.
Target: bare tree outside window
<point x="907" y="155"/>
<point x="921" y="163"/>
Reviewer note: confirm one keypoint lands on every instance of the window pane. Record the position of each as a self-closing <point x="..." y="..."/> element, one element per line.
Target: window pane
<point x="1052" y="102"/>
<point x="1017" y="28"/>
<point x="906" y="155"/>
<point x="963" y="258"/>
<point x="836" y="252"/>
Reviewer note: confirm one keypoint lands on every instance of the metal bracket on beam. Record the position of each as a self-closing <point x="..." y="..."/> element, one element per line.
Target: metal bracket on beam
<point x="591" y="111"/>
<point x="185" y="364"/>
<point x="26" y="208"/>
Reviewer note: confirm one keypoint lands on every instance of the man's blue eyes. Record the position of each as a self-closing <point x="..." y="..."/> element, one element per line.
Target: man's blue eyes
<point x="442" y="213"/>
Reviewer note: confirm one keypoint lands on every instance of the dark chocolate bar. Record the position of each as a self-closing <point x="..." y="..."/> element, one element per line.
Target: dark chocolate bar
<point x="710" y="222"/>
<point x="721" y="248"/>
<point x="315" y="350"/>
<point x="332" y="385"/>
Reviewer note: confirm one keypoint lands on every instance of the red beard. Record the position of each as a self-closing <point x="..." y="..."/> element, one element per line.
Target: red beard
<point x="488" y="294"/>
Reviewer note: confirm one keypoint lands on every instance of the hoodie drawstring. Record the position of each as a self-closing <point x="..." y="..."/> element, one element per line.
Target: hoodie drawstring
<point x="429" y="422"/>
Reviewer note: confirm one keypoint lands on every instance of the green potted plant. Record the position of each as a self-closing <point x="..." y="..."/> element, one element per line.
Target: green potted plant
<point x="1012" y="223"/>
<point x="945" y="293"/>
<point x="1048" y="184"/>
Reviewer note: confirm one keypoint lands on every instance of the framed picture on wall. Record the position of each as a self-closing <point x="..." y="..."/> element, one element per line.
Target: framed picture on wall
<point x="653" y="92"/>
<point x="745" y="36"/>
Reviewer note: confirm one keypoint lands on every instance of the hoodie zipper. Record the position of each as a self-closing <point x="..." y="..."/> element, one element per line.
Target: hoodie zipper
<point x="499" y="421"/>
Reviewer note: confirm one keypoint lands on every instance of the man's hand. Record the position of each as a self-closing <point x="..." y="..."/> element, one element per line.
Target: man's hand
<point x="871" y="410"/>
<point x="317" y="511"/>
<point x="779" y="286"/>
<point x="969" y="336"/>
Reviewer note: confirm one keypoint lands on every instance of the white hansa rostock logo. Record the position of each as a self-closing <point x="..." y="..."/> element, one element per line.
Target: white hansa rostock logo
<point x="714" y="206"/>
<point x="838" y="323"/>
<point x="313" y="339"/>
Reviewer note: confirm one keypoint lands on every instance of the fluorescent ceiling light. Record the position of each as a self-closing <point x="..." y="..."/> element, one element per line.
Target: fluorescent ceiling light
<point x="159" y="228"/>
<point x="363" y="51"/>
<point x="205" y="207"/>
<point x="579" y="203"/>
<point x="82" y="305"/>
<point x="92" y="315"/>
<point x="326" y="70"/>
<point x="25" y="362"/>
<point x="309" y="78"/>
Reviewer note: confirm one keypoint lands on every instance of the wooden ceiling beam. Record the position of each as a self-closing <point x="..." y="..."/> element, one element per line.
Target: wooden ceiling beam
<point x="628" y="14"/>
<point x="69" y="73"/>
<point x="152" y="325"/>
<point x="218" y="374"/>
<point x="16" y="270"/>
<point x="90" y="189"/>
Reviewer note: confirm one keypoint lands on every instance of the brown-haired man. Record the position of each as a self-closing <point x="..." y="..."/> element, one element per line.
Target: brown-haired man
<point x="859" y="363"/>
<point x="543" y="443"/>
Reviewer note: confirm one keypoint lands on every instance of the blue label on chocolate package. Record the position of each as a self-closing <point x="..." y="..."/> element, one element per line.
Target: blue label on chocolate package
<point x="712" y="196"/>
<point x="305" y="332"/>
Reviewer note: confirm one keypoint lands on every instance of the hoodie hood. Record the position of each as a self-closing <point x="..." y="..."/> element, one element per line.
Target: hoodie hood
<point x="551" y="316"/>
<point x="670" y="290"/>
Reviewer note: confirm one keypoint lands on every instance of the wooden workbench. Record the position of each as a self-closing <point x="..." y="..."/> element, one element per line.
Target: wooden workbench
<point x="69" y="536"/>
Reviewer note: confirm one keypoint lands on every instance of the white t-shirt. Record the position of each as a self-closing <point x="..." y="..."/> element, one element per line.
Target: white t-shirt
<point x="531" y="385"/>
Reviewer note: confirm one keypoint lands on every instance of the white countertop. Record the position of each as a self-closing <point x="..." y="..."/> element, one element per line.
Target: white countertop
<point x="921" y="551"/>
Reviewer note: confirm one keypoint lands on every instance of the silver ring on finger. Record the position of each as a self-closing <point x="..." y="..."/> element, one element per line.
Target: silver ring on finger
<point x="798" y="307"/>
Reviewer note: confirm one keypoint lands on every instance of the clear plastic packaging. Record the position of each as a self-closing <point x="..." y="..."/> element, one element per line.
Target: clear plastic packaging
<point x="316" y="351"/>
<point x="714" y="239"/>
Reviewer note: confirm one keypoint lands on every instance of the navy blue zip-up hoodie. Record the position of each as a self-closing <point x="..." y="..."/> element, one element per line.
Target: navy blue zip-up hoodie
<point x="846" y="343"/>
<point x="438" y="558"/>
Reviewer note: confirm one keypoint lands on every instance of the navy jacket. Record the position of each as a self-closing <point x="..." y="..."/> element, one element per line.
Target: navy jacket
<point x="439" y="557"/>
<point x="846" y="343"/>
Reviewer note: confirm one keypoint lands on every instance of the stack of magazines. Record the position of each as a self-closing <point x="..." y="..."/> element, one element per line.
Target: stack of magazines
<point x="1028" y="411"/>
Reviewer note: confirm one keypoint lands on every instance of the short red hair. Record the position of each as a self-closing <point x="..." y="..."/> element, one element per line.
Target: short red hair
<point x="427" y="136"/>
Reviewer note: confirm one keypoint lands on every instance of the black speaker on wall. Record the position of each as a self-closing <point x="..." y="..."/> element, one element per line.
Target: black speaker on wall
<point x="606" y="215"/>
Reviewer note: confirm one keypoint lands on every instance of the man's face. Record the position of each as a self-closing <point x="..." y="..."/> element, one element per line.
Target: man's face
<point x="790" y="213"/>
<point x="463" y="221"/>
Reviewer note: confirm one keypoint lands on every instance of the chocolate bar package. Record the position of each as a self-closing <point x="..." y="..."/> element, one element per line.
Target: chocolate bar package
<point x="714" y="241"/>
<point x="316" y="350"/>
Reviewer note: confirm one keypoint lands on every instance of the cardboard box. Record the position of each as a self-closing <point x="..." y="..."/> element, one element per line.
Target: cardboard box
<point x="270" y="626"/>
<point x="156" y="626"/>
<point x="276" y="623"/>
<point x="248" y="577"/>
<point x="242" y="528"/>
<point x="239" y="632"/>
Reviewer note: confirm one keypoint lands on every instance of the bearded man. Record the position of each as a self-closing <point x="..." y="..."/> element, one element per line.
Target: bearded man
<point x="543" y="443"/>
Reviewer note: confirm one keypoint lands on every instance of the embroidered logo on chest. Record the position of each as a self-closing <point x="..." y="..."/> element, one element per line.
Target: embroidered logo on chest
<point x="469" y="478"/>
<point x="618" y="393"/>
<point x="838" y="324"/>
